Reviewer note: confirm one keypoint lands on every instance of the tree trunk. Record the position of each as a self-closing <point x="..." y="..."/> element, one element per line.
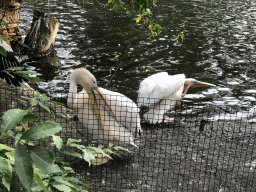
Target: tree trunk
<point x="43" y="31"/>
<point x="10" y="16"/>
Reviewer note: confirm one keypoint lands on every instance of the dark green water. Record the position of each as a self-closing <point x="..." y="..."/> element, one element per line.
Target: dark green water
<point x="219" y="48"/>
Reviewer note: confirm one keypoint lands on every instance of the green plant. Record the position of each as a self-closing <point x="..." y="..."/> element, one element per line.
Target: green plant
<point x="36" y="167"/>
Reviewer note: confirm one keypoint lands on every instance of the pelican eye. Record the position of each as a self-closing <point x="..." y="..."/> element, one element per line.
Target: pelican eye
<point x="94" y="83"/>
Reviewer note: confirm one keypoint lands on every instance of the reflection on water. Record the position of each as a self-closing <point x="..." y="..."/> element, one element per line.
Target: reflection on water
<point x="218" y="47"/>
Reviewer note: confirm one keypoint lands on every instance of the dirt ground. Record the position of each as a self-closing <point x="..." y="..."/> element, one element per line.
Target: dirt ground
<point x="192" y="153"/>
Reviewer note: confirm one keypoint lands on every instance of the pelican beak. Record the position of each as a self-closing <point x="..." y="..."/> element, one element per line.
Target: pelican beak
<point x="201" y="84"/>
<point x="111" y="112"/>
<point x="93" y="93"/>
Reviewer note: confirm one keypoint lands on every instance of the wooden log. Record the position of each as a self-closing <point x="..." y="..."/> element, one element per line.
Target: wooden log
<point x="43" y="31"/>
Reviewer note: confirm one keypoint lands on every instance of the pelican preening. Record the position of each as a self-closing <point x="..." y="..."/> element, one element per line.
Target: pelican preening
<point x="109" y="116"/>
<point x="112" y="117"/>
<point x="161" y="92"/>
<point x="8" y="62"/>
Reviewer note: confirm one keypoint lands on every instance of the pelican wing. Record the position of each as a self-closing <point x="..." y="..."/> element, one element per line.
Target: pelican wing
<point x="125" y="110"/>
<point x="159" y="86"/>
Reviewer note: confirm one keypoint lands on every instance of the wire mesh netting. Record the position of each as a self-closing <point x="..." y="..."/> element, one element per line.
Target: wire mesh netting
<point x="198" y="148"/>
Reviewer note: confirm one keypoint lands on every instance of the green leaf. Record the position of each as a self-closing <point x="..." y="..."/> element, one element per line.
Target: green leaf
<point x="78" y="146"/>
<point x="58" y="142"/>
<point x="99" y="151"/>
<point x="41" y="130"/>
<point x="7" y="73"/>
<point x="60" y="160"/>
<point x="43" y="153"/>
<point x="33" y="101"/>
<point x="70" y="141"/>
<point x="22" y="101"/>
<point x="61" y="180"/>
<point x="107" y="150"/>
<point x="22" y="72"/>
<point x="23" y="166"/>
<point x="115" y="7"/>
<point x="61" y="186"/>
<point x="6" y="148"/>
<point x="128" y="13"/>
<point x="11" y="156"/>
<point x="6" y="171"/>
<point x="2" y="51"/>
<point x="30" y="117"/>
<point x="25" y="97"/>
<point x="58" y="103"/>
<point x="88" y="156"/>
<point x="50" y="189"/>
<point x="35" y="79"/>
<point x="73" y="153"/>
<point x="119" y="147"/>
<point x="11" y="118"/>
<point x="75" y="180"/>
<point x="43" y="158"/>
<point x="40" y="182"/>
<point x="67" y="170"/>
<point x="15" y="69"/>
<point x="110" y="145"/>
<point x="44" y="106"/>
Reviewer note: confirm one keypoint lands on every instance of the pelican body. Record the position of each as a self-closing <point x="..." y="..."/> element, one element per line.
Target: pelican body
<point x="8" y="62"/>
<point x="161" y="92"/>
<point x="109" y="116"/>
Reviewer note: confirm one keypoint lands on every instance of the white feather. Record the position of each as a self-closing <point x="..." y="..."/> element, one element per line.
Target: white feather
<point x="159" y="86"/>
<point x="124" y="108"/>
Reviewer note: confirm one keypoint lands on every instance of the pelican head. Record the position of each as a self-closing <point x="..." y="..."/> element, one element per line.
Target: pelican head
<point x="195" y="83"/>
<point x="84" y="78"/>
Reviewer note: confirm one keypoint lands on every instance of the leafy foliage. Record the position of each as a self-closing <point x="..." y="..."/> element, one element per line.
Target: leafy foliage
<point x="142" y="9"/>
<point x="19" y="71"/>
<point x="36" y="167"/>
<point x="143" y="12"/>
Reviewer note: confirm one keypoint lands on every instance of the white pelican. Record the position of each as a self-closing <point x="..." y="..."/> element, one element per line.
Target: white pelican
<point x="161" y="92"/>
<point x="110" y="116"/>
<point x="9" y="61"/>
